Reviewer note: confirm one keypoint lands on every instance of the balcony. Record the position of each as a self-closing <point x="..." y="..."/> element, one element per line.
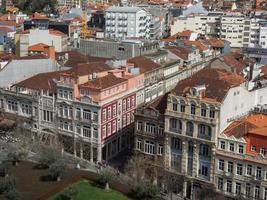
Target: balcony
<point x="175" y="130"/>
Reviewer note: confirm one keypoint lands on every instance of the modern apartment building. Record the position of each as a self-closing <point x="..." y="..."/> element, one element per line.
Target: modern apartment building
<point x="127" y="22"/>
<point x="240" y="30"/>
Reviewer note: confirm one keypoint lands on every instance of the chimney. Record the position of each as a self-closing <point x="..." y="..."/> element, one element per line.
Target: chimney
<point x="50" y="52"/>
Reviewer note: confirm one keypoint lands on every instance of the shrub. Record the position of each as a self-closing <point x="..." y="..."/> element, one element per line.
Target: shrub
<point x="69" y="194"/>
<point x="105" y="178"/>
<point x="48" y="157"/>
<point x="56" y="170"/>
<point x="5" y="168"/>
<point x="16" y="155"/>
<point x="7" y="184"/>
<point x="145" y="190"/>
<point x="12" y="195"/>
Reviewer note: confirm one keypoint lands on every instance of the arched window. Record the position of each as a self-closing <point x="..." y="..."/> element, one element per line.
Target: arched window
<point x="180" y="125"/>
<point x="193" y="108"/>
<point x="189" y="128"/>
<point x="182" y="105"/>
<point x="204" y="131"/>
<point x="174" y="104"/>
<point x="212" y="112"/>
<point x="203" y="110"/>
<point x="173" y="124"/>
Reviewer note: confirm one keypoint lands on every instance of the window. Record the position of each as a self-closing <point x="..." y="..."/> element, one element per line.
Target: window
<point x="221" y="165"/>
<point x="160" y="149"/>
<point x="230" y="167"/>
<point x="253" y="148"/>
<point x="150" y="128"/>
<point x="258" y="173"/>
<point x="229" y="186"/>
<point x="128" y="104"/>
<point x="249" y="170"/>
<point x="139" y="144"/>
<point x="114" y="110"/>
<point x="60" y="93"/>
<point x="47" y="116"/>
<point x="104" y="115"/>
<point x="263" y="151"/>
<point x="189" y="128"/>
<point x="212" y="112"/>
<point x="109" y="113"/>
<point x="139" y="126"/>
<point x="222" y="144"/>
<point x="123" y="105"/>
<point x="78" y="129"/>
<point x="248" y="190"/>
<point x="133" y="102"/>
<point x="78" y="113"/>
<point x="70" y="95"/>
<point x="149" y="147"/>
<point x="232" y="147"/>
<point x="220" y="183"/>
<point x="114" y="126"/>
<point x="109" y="128"/>
<point x="176" y="144"/>
<point x="161" y="130"/>
<point x="87" y="114"/>
<point x="265" y="194"/>
<point x="87" y="131"/>
<point x="204" y="170"/>
<point x="257" y="192"/>
<point x="26" y="109"/>
<point x="193" y="108"/>
<point x="182" y="106"/>
<point x="239" y="169"/>
<point x="65" y="94"/>
<point x="104" y="131"/>
<point x="12" y="105"/>
<point x="241" y="148"/>
<point x="238" y="188"/>
<point x="203" y="110"/>
<point x="204" y="150"/>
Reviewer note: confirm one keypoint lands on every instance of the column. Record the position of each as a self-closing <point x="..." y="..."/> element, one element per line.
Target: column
<point x="167" y="154"/>
<point x="81" y="150"/>
<point x="99" y="153"/>
<point x="185" y="157"/>
<point x="185" y="189"/>
<point x="91" y="153"/>
<point x="213" y="164"/>
<point x="195" y="160"/>
<point x="74" y="148"/>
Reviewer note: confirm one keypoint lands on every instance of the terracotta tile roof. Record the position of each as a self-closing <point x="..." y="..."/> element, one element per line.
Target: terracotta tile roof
<point x="232" y="61"/>
<point x="103" y="82"/>
<point x="56" y="32"/>
<point x="40" y="47"/>
<point x="144" y="64"/>
<point x="9" y="23"/>
<point x="6" y="29"/>
<point x="74" y="58"/>
<point x="200" y="45"/>
<point x="7" y="56"/>
<point x="89" y="68"/>
<point x="179" y="51"/>
<point x="31" y="57"/>
<point x="217" y="43"/>
<point x="255" y="124"/>
<point x="216" y="81"/>
<point x="39" y="16"/>
<point x="42" y="81"/>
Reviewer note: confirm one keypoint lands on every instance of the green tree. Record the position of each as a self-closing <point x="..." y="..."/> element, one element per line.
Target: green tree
<point x="17" y="154"/>
<point x="12" y="195"/>
<point x="57" y="170"/>
<point x="32" y="6"/>
<point x="145" y="189"/>
<point x="106" y="176"/>
<point x="5" y="168"/>
<point x="48" y="156"/>
<point x="7" y="184"/>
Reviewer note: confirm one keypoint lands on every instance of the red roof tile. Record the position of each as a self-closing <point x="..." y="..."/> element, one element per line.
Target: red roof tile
<point x="40" y="47"/>
<point x="144" y="64"/>
<point x="216" y="81"/>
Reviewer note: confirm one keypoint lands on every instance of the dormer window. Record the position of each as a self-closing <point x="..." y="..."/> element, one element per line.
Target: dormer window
<point x="263" y="151"/>
<point x="253" y="148"/>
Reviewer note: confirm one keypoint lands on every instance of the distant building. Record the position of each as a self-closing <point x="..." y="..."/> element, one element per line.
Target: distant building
<point x="124" y="49"/>
<point x="34" y="36"/>
<point x="127" y="22"/>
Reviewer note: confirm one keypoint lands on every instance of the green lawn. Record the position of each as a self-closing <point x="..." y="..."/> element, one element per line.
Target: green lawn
<point x="87" y="191"/>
